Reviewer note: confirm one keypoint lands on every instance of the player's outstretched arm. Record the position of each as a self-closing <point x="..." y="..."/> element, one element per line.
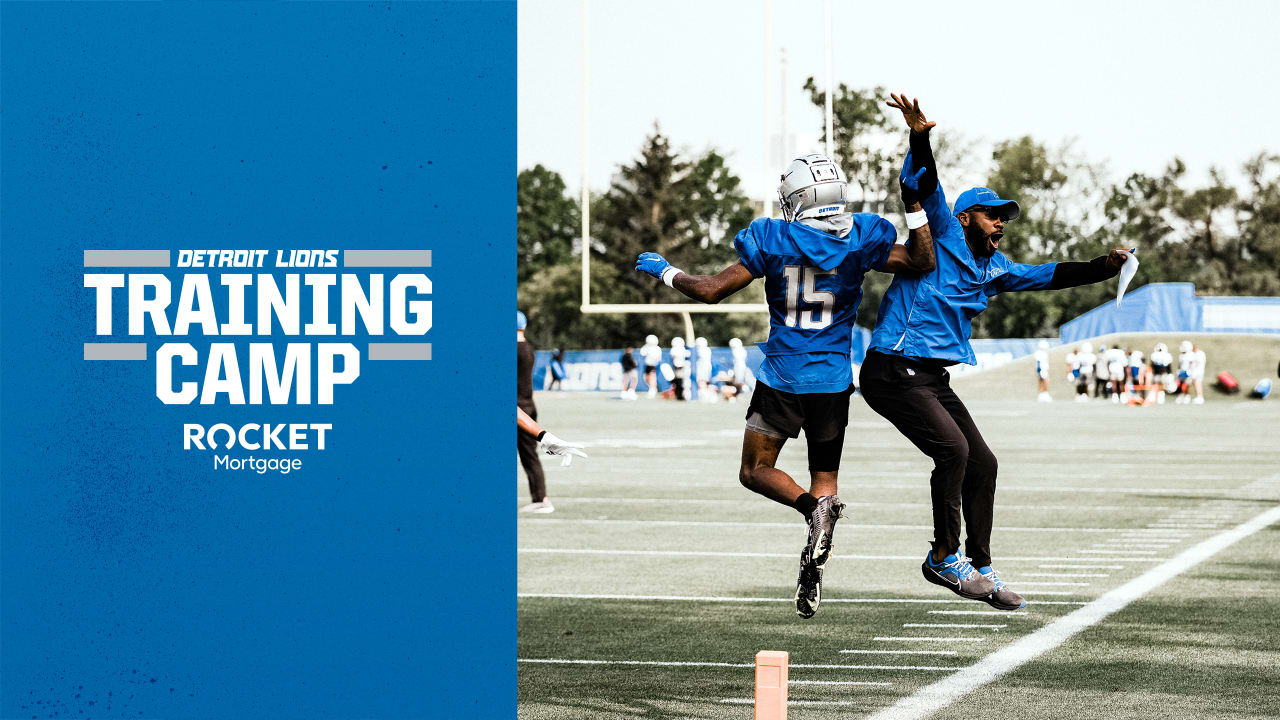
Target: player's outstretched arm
<point x="709" y="289"/>
<point x="1075" y="274"/>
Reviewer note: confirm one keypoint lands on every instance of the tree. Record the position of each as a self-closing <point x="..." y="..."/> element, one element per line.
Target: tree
<point x="547" y="222"/>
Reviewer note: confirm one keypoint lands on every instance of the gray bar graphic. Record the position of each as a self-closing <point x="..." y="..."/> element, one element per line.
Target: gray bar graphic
<point x="126" y="258"/>
<point x="386" y="258"/>
<point x="399" y="351"/>
<point x="115" y="351"/>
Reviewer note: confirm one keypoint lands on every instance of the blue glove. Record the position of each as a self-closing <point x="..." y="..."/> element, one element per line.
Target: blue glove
<point x="652" y="263"/>
<point x="909" y="184"/>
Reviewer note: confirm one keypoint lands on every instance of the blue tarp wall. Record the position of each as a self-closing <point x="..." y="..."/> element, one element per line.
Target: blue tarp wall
<point x="1174" y="307"/>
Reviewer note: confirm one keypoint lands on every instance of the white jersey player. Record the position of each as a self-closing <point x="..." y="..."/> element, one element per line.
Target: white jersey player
<point x="1116" y="363"/>
<point x="1161" y="373"/>
<point x="705" y="393"/>
<point x="1194" y="362"/>
<point x="1073" y="366"/>
<point x="652" y="354"/>
<point x="1085" y="360"/>
<point x="680" y="364"/>
<point x="1101" y="376"/>
<point x="1042" y="372"/>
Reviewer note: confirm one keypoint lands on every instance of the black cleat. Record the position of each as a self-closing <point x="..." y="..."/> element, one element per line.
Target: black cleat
<point x="808" y="586"/>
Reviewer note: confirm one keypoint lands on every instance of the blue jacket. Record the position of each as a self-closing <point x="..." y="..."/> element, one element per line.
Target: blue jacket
<point x="931" y="316"/>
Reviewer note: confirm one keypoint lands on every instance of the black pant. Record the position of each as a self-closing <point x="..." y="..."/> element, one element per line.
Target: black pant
<point x="917" y="398"/>
<point x="527" y="445"/>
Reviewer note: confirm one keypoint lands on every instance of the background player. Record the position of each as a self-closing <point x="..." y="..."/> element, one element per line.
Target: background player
<point x="629" y="375"/>
<point x="680" y="365"/>
<point x="1042" y="371"/>
<point x="652" y="354"/>
<point x="705" y="391"/>
<point x="813" y="262"/>
<point x="924" y="326"/>
<point x="526" y="444"/>
<point x="1161" y="373"/>
<point x="1085" y="360"/>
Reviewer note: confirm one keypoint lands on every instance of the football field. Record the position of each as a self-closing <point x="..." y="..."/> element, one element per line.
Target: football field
<point x="1144" y="540"/>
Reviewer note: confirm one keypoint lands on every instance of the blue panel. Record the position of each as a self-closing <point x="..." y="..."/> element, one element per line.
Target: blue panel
<point x="138" y="580"/>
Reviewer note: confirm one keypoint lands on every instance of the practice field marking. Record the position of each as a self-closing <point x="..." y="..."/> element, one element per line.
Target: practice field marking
<point x="840" y="682"/>
<point x="928" y="639"/>
<point x="715" y="553"/>
<point x="899" y="652"/>
<point x="1082" y="567"/>
<point x="1000" y="613"/>
<point x="1076" y="575"/>
<point x="1117" y="552"/>
<point x="738" y="501"/>
<point x="794" y="524"/>
<point x="790" y="703"/>
<point x="698" y="663"/>
<point x="938" y="695"/>
<point x="711" y="598"/>
<point x="954" y="625"/>
<point x="1053" y="584"/>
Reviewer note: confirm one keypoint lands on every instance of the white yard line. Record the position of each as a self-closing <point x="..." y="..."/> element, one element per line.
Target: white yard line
<point x="1082" y="567"/>
<point x="1050" y="584"/>
<point x="1062" y="575"/>
<point x="1001" y="613"/>
<point x="797" y="523"/>
<point x="928" y="639"/>
<point x="738" y="501"/>
<point x="899" y="652"/>
<point x="792" y="703"/>
<point x="954" y="625"/>
<point x="1117" y="552"/>
<point x="839" y="682"/>
<point x="694" y="663"/>
<point x="719" y="554"/>
<point x="731" y="599"/>
<point x="938" y="695"/>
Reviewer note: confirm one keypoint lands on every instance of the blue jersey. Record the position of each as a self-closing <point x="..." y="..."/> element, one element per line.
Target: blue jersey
<point x="930" y="316"/>
<point x="813" y="282"/>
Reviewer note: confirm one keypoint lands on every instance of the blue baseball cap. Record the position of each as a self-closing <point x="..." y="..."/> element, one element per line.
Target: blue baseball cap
<point x="521" y="321"/>
<point x="986" y="197"/>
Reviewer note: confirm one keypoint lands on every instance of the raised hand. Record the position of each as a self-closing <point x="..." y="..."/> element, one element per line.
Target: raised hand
<point x="911" y="112"/>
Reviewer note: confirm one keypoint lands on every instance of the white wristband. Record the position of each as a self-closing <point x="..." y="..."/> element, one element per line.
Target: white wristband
<point x="917" y="219"/>
<point x="669" y="275"/>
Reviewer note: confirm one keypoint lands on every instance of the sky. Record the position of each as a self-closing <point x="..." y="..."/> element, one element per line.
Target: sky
<point x="1129" y="84"/>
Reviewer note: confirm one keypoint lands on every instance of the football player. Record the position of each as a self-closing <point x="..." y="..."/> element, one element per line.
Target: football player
<point x="1042" y="372"/>
<point x="924" y="326"/>
<point x="813" y="261"/>
<point x="652" y="354"/>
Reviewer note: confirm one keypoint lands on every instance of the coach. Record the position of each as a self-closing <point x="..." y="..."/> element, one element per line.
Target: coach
<point x="924" y="326"/>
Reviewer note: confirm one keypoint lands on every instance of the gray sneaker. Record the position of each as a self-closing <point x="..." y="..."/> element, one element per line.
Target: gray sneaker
<point x="1001" y="598"/>
<point x="956" y="574"/>
<point x="822" y="527"/>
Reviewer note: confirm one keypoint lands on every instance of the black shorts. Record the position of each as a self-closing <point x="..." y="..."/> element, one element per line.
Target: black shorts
<point x="822" y="416"/>
<point x="649" y="368"/>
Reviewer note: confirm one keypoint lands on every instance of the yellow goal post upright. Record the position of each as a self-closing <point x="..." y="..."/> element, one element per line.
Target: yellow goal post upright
<point x="685" y="310"/>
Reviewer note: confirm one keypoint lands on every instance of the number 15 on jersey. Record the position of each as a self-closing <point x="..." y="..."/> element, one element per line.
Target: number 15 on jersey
<point x="801" y="283"/>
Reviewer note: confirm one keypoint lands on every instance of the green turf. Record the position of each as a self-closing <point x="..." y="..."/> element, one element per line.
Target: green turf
<point x="657" y="511"/>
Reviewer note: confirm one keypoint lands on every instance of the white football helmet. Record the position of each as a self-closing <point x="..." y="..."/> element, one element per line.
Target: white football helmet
<point x="1161" y="347"/>
<point x="700" y="342"/>
<point x="651" y="340"/>
<point x="677" y="342"/>
<point x="812" y="186"/>
<point x="735" y="343"/>
<point x="1086" y="347"/>
<point x="1185" y="346"/>
<point x="1043" y="345"/>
